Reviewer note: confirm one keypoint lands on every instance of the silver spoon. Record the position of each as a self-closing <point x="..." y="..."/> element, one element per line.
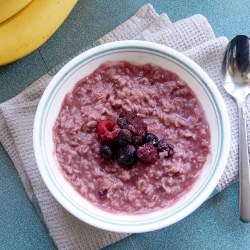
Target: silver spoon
<point x="236" y="72"/>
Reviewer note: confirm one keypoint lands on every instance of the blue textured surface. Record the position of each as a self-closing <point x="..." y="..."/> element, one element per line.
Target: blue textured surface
<point x="215" y="225"/>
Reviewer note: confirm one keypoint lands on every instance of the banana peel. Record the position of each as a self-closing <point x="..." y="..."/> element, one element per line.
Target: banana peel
<point x="31" y="27"/>
<point x="9" y="8"/>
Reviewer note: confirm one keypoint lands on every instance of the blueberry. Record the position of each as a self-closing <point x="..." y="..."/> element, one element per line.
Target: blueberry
<point x="106" y="151"/>
<point x="124" y="137"/>
<point x="126" y="155"/>
<point x="150" y="137"/>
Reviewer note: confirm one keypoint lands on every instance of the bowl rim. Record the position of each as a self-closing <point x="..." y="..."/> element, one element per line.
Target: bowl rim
<point x="195" y="69"/>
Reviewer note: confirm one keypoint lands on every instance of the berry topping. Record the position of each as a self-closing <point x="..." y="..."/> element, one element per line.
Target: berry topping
<point x="150" y="137"/>
<point x="147" y="153"/>
<point x="126" y="155"/>
<point x="128" y="141"/>
<point x="107" y="131"/>
<point x="106" y="151"/>
<point x="166" y="146"/>
<point x="125" y="119"/>
<point x="129" y="120"/>
<point x="124" y="137"/>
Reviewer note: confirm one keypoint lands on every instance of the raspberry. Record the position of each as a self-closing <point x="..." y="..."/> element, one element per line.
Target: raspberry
<point x="107" y="131"/>
<point x="147" y="153"/>
<point x="129" y="120"/>
<point x="164" y="145"/>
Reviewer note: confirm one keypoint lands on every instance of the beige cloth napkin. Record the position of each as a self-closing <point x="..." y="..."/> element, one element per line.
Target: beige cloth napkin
<point x="192" y="36"/>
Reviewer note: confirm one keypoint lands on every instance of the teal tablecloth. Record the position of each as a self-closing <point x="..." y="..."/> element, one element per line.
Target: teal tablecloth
<point x="215" y="225"/>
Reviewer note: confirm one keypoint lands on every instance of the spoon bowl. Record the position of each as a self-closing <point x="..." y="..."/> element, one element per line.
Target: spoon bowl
<point x="236" y="73"/>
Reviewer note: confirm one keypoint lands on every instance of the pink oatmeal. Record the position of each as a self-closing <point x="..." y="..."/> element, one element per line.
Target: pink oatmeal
<point x="170" y="110"/>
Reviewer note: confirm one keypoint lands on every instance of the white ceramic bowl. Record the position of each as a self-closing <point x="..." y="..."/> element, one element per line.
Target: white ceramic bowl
<point x="136" y="52"/>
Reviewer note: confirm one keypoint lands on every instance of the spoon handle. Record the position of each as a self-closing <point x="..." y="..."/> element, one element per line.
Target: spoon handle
<point x="244" y="173"/>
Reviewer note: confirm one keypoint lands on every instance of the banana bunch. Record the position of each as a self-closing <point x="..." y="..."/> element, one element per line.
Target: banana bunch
<point x="28" y="25"/>
<point x="9" y="8"/>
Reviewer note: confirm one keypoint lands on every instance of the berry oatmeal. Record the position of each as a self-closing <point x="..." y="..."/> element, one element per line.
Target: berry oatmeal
<point x="131" y="138"/>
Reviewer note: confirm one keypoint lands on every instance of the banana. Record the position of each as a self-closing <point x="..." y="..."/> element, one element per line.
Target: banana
<point x="31" y="27"/>
<point x="8" y="8"/>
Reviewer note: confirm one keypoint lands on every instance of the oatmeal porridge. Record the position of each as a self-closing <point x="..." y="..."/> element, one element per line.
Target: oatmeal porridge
<point x="176" y="137"/>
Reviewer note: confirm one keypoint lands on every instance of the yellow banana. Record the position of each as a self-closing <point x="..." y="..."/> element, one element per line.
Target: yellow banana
<point x="9" y="8"/>
<point x="31" y="27"/>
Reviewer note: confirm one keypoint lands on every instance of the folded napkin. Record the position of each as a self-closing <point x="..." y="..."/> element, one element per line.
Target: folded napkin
<point x="192" y="36"/>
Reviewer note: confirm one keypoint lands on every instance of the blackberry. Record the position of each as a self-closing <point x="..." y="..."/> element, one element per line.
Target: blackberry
<point x="126" y="155"/>
<point x="164" y="145"/>
<point x="129" y="115"/>
<point x="147" y="153"/>
<point x="150" y="137"/>
<point x="125" y="119"/>
<point x="124" y="137"/>
<point x="103" y="192"/>
<point x="129" y="120"/>
<point x="106" y="151"/>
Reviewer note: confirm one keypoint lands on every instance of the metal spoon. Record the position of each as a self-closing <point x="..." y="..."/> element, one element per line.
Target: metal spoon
<point x="236" y="72"/>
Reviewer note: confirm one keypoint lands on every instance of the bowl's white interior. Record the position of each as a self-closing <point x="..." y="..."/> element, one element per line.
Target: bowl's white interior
<point x="139" y="52"/>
